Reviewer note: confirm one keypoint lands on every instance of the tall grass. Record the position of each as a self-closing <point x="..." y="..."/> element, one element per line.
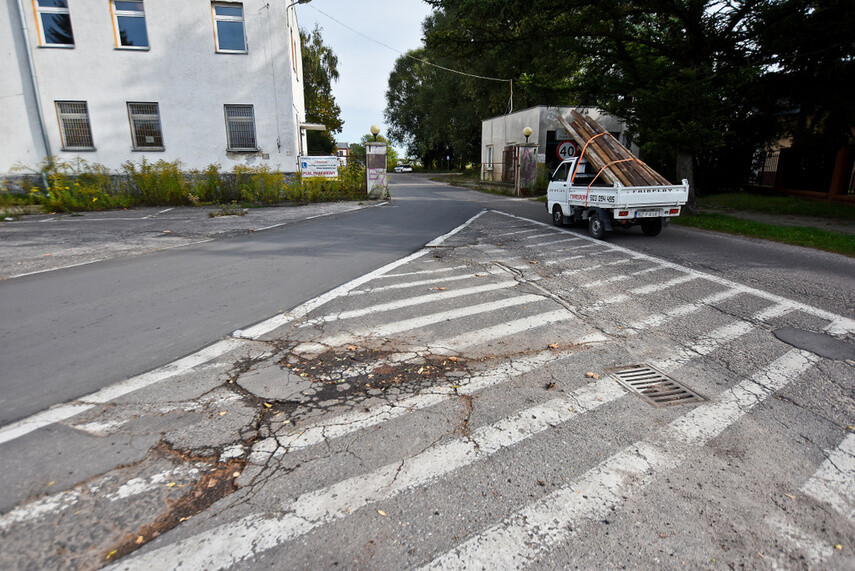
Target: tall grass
<point x="78" y="185"/>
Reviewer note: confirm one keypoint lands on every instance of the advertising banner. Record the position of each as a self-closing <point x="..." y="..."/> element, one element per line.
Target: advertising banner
<point x="326" y="167"/>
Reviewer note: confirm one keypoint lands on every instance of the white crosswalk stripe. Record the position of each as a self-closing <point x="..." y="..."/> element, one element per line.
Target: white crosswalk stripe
<point x="518" y="540"/>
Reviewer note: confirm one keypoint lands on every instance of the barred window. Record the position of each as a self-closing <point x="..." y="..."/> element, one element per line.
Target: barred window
<point x="129" y="21"/>
<point x="145" y="126"/>
<point x="74" y="126"/>
<point x="228" y="27"/>
<point x="54" y="23"/>
<point x="240" y="126"/>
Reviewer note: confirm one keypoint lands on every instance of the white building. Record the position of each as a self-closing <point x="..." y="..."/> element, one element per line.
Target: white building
<point x="110" y="81"/>
<point x="500" y="135"/>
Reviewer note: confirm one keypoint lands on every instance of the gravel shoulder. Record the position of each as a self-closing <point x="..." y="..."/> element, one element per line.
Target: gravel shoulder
<point x="45" y="242"/>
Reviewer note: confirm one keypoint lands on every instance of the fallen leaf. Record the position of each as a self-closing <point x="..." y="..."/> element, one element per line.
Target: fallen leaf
<point x="167" y="231"/>
<point x="47" y="254"/>
<point x="553" y="345"/>
<point x="851" y="427"/>
<point x="352" y="348"/>
<point x="222" y="413"/>
<point x="838" y="547"/>
<point x="792" y="497"/>
<point x="761" y="555"/>
<point x="663" y="535"/>
<point x="170" y="484"/>
<point x="452" y="359"/>
<point x="140" y="540"/>
<point x="550" y="386"/>
<point x="212" y="483"/>
<point x="381" y="512"/>
<point x="592" y="375"/>
<point x="51" y="483"/>
<point x="268" y="405"/>
<point x="532" y="262"/>
<point x="112" y="553"/>
<point x="183" y="519"/>
<point x="236" y="474"/>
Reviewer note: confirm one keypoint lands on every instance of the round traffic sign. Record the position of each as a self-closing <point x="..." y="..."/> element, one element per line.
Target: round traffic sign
<point x="567" y="150"/>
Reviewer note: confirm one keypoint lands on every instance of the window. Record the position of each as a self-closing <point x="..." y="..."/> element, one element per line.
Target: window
<point x="228" y="27"/>
<point x="145" y="126"/>
<point x="129" y="22"/>
<point x="74" y="126"/>
<point x="240" y="127"/>
<point x="54" y="23"/>
<point x="488" y="162"/>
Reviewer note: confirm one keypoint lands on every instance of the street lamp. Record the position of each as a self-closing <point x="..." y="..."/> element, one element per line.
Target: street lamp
<point x="375" y="130"/>
<point x="295" y="2"/>
<point x="527" y="133"/>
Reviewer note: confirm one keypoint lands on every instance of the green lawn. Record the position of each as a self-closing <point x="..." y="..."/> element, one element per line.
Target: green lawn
<point x="784" y="205"/>
<point x="796" y="235"/>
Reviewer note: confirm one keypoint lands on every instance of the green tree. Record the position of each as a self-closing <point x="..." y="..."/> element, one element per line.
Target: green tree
<point x="320" y="71"/>
<point x="357" y="150"/>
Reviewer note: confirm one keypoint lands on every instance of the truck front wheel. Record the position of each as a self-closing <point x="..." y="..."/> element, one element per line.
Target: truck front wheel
<point x="596" y="227"/>
<point x="557" y="216"/>
<point x="651" y="227"/>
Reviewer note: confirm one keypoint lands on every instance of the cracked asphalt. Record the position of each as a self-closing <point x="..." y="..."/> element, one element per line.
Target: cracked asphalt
<point x="454" y="409"/>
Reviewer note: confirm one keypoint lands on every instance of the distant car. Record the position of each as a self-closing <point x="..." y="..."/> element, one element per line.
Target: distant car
<point x="403" y="168"/>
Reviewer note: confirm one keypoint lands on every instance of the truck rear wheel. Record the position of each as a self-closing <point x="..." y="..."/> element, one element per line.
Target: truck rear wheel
<point x="557" y="216"/>
<point x="651" y="227"/>
<point x="596" y="227"/>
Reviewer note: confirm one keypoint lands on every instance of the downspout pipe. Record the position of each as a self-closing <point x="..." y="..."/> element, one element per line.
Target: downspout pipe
<point x="34" y="82"/>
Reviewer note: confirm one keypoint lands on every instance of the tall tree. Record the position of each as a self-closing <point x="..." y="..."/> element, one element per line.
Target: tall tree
<point x="320" y="71"/>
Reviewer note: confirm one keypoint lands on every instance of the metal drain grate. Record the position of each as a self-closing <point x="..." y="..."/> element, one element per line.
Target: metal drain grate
<point x="654" y="386"/>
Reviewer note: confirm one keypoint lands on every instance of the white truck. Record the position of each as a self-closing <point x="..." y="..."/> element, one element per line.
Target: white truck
<point x="575" y="195"/>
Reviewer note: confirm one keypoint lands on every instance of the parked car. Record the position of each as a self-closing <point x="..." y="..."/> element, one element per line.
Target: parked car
<point x="403" y="168"/>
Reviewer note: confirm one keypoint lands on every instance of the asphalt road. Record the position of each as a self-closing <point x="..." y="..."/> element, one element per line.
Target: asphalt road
<point x="456" y="408"/>
<point x="68" y="333"/>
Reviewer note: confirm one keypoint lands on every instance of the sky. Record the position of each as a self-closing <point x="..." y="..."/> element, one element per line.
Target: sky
<point x="363" y="65"/>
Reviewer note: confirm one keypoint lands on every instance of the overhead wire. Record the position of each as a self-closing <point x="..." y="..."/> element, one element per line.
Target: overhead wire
<point x="428" y="63"/>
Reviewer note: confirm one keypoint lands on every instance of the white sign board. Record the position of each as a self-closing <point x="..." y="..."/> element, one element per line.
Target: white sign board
<point x="326" y="167"/>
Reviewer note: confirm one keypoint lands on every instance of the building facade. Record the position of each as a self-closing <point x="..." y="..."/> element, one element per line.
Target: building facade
<point x="113" y="81"/>
<point x="500" y="136"/>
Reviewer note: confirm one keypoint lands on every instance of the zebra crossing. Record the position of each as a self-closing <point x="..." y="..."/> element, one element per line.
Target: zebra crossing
<point x="534" y="340"/>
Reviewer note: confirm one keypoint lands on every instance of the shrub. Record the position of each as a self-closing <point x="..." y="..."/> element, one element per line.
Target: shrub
<point x="260" y="184"/>
<point x="160" y="183"/>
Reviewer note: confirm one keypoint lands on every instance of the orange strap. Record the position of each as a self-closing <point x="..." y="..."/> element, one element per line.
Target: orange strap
<point x="582" y="154"/>
<point x="588" y="190"/>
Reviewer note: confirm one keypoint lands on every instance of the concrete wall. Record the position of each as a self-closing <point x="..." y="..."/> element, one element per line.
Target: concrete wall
<point x="181" y="71"/>
<point x="506" y="130"/>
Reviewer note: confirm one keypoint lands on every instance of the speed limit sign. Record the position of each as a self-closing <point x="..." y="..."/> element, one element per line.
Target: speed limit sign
<point x="567" y="150"/>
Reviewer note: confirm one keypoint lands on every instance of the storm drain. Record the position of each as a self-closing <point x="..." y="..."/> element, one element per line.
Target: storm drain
<point x="654" y="386"/>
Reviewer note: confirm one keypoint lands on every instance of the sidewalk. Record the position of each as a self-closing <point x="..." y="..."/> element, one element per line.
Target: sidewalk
<point x="44" y="242"/>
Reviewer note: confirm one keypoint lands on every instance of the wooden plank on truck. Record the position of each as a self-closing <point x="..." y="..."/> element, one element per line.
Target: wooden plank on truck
<point x="604" y="151"/>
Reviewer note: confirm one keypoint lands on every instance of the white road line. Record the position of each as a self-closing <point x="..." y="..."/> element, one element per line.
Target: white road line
<point x="503" y="234"/>
<point x="64" y="500"/>
<point x="432" y="281"/>
<point x="811" y="546"/>
<point x="356" y="420"/>
<point x="705" y="345"/>
<point x="287" y="222"/>
<point x="495" y="332"/>
<point x="606" y="281"/>
<point x="554" y="242"/>
<point x="422" y="272"/>
<point x="229" y="544"/>
<point x="411" y="301"/>
<point x="840" y="323"/>
<point x="652" y="288"/>
<point x="775" y="310"/>
<point x="425" y="320"/>
<point x="549" y="234"/>
<point x="834" y="481"/>
<point x="440" y="240"/>
<point x="648" y="270"/>
<point x="519" y="539"/>
<point x="66" y="411"/>
<point x="301" y="311"/>
<point x="680" y="311"/>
